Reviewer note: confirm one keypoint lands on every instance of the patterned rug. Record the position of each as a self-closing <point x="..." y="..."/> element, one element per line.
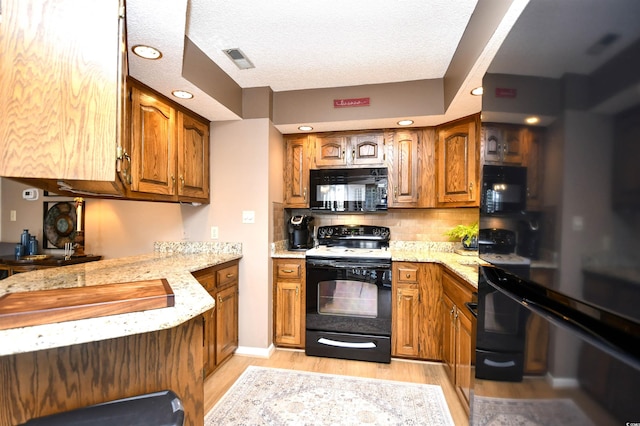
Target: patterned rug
<point x="271" y="396"/>
<point x="527" y="412"/>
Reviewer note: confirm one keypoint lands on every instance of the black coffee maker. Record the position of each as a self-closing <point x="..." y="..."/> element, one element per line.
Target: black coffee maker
<point x="301" y="232"/>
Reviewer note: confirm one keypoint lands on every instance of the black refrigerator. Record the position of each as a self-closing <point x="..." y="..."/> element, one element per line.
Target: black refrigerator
<point x="558" y="327"/>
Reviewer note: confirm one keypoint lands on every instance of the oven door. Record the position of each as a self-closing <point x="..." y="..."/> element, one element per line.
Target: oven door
<point x="348" y="309"/>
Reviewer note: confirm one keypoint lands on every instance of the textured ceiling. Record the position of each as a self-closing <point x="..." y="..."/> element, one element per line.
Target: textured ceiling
<point x="331" y="43"/>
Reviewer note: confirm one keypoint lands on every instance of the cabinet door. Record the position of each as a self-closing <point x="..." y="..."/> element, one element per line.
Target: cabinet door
<point x="463" y="353"/>
<point x="226" y="323"/>
<point x="512" y="145"/>
<point x="491" y="144"/>
<point x="288" y="313"/>
<point x="532" y="156"/>
<point x="296" y="172"/>
<point x="59" y="100"/>
<point x="209" y="331"/>
<point x="407" y="324"/>
<point x="330" y="150"/>
<point x="193" y="158"/>
<point x="153" y="143"/>
<point x="448" y="334"/>
<point x="403" y="169"/>
<point x="366" y="149"/>
<point x="457" y="164"/>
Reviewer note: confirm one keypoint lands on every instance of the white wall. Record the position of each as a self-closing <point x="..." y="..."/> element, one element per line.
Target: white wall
<point x="240" y="181"/>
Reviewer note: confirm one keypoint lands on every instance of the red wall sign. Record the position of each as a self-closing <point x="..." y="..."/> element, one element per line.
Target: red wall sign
<point x="354" y="102"/>
<point x="505" y="92"/>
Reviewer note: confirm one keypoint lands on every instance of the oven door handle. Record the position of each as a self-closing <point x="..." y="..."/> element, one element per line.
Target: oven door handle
<point x="354" y="345"/>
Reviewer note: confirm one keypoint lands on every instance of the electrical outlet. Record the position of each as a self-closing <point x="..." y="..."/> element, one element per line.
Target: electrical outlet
<point x="13" y="216"/>
<point x="214" y="232"/>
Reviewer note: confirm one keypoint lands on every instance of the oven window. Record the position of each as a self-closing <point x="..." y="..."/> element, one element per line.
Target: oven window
<point x="500" y="314"/>
<point x="346" y="297"/>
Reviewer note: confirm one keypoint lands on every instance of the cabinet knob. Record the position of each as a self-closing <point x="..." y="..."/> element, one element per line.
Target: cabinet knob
<point x="173" y="180"/>
<point x="182" y="181"/>
<point x="408" y="275"/>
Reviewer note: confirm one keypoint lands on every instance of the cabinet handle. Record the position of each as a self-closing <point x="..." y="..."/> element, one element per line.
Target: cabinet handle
<point x="182" y="181"/>
<point x="470" y="189"/>
<point x="395" y="193"/>
<point x="229" y="275"/>
<point x="287" y="271"/>
<point x="304" y="194"/>
<point x="297" y="291"/>
<point x="353" y="154"/>
<point x="173" y="181"/>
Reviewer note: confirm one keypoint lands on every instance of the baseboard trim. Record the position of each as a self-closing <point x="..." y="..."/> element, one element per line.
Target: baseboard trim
<point x="255" y="352"/>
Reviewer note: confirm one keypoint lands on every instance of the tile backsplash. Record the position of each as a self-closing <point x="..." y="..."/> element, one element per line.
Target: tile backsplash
<point x="405" y="224"/>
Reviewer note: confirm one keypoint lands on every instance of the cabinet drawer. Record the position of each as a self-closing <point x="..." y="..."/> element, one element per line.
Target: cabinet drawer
<point x="227" y="276"/>
<point x="207" y="278"/>
<point x="407" y="274"/>
<point x="289" y="270"/>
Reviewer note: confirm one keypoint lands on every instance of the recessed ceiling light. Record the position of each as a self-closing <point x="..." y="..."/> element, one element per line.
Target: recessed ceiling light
<point x="182" y="94"/>
<point x="146" y="52"/>
<point x="478" y="91"/>
<point x="405" y="122"/>
<point x="532" y="120"/>
<point x="305" y="128"/>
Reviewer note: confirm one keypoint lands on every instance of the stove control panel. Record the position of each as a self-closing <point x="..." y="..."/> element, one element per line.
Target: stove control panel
<point x="363" y="232"/>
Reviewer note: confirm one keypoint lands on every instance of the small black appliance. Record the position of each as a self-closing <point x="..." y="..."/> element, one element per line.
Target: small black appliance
<point x="301" y="232"/>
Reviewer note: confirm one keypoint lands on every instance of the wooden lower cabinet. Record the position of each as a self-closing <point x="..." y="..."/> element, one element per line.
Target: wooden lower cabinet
<point x="416" y="319"/>
<point x="221" y="322"/>
<point x="289" y="302"/>
<point x="458" y="333"/>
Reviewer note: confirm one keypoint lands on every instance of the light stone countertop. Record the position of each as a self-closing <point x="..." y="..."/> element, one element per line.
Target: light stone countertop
<point x="465" y="266"/>
<point x="172" y="261"/>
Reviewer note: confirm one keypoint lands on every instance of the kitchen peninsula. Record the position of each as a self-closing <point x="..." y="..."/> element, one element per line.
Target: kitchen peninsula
<point x="57" y="367"/>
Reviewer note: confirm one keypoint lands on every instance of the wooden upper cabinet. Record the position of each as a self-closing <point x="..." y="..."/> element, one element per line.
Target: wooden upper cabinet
<point x="403" y="168"/>
<point x="296" y="171"/>
<point x="330" y="151"/>
<point x="339" y="150"/>
<point x="503" y="144"/>
<point x="59" y="95"/>
<point x="193" y="157"/>
<point x="457" y="157"/>
<point x="366" y="149"/>
<point x="169" y="150"/>
<point x="153" y="144"/>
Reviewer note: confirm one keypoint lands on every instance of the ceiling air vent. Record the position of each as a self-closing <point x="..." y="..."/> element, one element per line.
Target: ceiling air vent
<point x="239" y="58"/>
<point x="604" y="42"/>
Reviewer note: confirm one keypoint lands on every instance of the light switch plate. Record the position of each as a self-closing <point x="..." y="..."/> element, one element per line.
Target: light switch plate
<point x="248" y="216"/>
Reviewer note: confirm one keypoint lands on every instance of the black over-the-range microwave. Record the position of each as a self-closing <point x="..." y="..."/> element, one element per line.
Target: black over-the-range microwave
<point x="348" y="190"/>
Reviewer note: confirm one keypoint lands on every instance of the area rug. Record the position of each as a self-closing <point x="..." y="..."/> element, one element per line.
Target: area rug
<point x="527" y="412"/>
<point x="271" y="396"/>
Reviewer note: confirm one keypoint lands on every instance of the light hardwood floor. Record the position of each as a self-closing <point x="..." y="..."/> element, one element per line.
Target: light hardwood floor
<point x="406" y="371"/>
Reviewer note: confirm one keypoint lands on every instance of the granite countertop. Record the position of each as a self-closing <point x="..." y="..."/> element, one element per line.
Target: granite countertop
<point x="463" y="264"/>
<point x="172" y="261"/>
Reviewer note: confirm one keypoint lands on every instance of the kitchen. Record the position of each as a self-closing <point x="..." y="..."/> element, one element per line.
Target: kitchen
<point x="121" y="228"/>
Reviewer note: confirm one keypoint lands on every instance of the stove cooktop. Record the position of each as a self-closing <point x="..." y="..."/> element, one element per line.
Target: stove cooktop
<point x="505" y="259"/>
